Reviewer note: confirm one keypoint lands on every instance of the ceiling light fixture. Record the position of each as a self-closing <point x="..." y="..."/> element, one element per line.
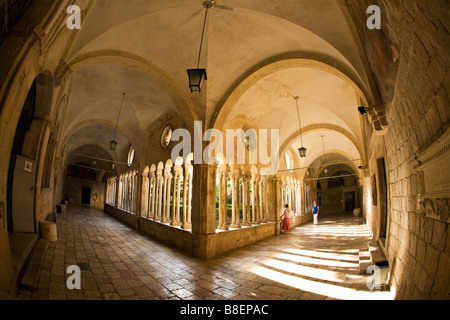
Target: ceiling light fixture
<point x="197" y="77"/>
<point x="113" y="143"/>
<point x="323" y="145"/>
<point x="302" y="150"/>
<point x="362" y="110"/>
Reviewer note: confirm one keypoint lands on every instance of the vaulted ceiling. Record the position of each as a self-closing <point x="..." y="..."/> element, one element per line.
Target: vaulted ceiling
<point x="258" y="55"/>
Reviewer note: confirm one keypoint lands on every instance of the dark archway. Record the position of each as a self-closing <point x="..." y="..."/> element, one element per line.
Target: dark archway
<point x="24" y="125"/>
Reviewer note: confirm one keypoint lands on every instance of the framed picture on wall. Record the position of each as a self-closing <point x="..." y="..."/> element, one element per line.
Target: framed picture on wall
<point x="374" y="191"/>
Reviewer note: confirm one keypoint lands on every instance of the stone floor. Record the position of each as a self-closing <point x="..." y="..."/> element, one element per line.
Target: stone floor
<point x="116" y="262"/>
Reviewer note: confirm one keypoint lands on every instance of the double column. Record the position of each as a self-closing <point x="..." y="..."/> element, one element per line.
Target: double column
<point x="167" y="187"/>
<point x="235" y="176"/>
<point x="223" y="208"/>
<point x="258" y="210"/>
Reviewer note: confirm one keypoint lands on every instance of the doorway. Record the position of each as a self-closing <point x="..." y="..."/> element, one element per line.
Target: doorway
<point x="349" y="198"/>
<point x="23" y="126"/>
<point x="86" y="196"/>
<point x="381" y="166"/>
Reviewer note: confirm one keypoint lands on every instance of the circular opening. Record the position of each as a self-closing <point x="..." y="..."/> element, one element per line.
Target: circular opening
<point x="166" y="137"/>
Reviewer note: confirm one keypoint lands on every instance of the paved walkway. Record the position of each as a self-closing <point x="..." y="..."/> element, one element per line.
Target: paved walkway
<point x="117" y="262"/>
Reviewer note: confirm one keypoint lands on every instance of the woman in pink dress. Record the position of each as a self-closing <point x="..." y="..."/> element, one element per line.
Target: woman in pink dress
<point x="285" y="218"/>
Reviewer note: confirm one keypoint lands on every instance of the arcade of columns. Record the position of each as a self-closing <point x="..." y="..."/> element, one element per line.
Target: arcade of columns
<point x="163" y="189"/>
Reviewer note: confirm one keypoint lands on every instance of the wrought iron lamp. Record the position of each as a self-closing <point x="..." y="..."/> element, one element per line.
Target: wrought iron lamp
<point x="198" y="77"/>
<point x="113" y="143"/>
<point x="302" y="151"/>
<point x="362" y="110"/>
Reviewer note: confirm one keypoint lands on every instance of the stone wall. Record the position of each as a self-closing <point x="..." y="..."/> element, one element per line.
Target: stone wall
<point x="202" y="246"/>
<point x="411" y="53"/>
<point x="72" y="191"/>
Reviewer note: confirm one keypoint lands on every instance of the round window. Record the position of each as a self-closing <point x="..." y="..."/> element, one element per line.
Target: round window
<point x="166" y="137"/>
<point x="130" y="156"/>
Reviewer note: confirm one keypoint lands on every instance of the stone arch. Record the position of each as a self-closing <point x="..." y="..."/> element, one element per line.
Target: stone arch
<point x="317" y="172"/>
<point x="93" y="122"/>
<point x="328" y="127"/>
<point x="143" y="65"/>
<point x="286" y="61"/>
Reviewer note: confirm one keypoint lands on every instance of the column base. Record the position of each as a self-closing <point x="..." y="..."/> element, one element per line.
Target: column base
<point x="223" y="228"/>
<point x="165" y="220"/>
<point x="235" y="226"/>
<point x="176" y="223"/>
<point x="186" y="226"/>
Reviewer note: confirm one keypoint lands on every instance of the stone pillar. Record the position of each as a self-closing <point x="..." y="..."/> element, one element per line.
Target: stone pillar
<point x="153" y="194"/>
<point x="175" y="198"/>
<point x="223" y="220"/>
<point x="190" y="175"/>
<point x="249" y="217"/>
<point x="116" y="193"/>
<point x="145" y="194"/>
<point x="253" y="200"/>
<point x="167" y="199"/>
<point x="257" y="200"/>
<point x="261" y="194"/>
<point x="279" y="203"/>
<point x="187" y="195"/>
<point x="236" y="175"/>
<point x="270" y="195"/>
<point x="245" y="199"/>
<point x="159" y="179"/>
<point x="203" y="209"/>
<point x="264" y="184"/>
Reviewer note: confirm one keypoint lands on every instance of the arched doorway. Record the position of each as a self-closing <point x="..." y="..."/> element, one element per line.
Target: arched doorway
<point x="21" y="173"/>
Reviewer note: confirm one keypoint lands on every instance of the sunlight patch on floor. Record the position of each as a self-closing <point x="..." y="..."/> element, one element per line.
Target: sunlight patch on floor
<point x="310" y="272"/>
<point x="324" y="255"/>
<point x="315" y="261"/>
<point x="327" y="290"/>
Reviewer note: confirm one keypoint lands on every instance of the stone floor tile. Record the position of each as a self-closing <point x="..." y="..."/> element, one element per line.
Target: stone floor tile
<point x="124" y="264"/>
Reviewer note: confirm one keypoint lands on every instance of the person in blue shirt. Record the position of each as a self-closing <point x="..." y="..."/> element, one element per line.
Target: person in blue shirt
<point x="315" y="212"/>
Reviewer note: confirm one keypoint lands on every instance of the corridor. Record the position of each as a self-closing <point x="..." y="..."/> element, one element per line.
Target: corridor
<point x="117" y="262"/>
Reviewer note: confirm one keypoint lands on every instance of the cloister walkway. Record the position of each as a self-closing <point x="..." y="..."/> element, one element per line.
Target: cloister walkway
<point x="117" y="262"/>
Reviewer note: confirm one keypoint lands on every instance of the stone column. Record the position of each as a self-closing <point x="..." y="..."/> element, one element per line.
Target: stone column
<point x="253" y="198"/>
<point x="167" y="211"/>
<point x="270" y="196"/>
<point x="153" y="194"/>
<point x="245" y="197"/>
<point x="249" y="217"/>
<point x="236" y="174"/>
<point x="264" y="198"/>
<point x="223" y="223"/>
<point x="159" y="179"/>
<point x="116" y="192"/>
<point x="145" y="194"/>
<point x="257" y="200"/>
<point x="175" y="205"/>
<point x="203" y="209"/>
<point x="279" y="203"/>
<point x="190" y="188"/>
<point x="261" y="195"/>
